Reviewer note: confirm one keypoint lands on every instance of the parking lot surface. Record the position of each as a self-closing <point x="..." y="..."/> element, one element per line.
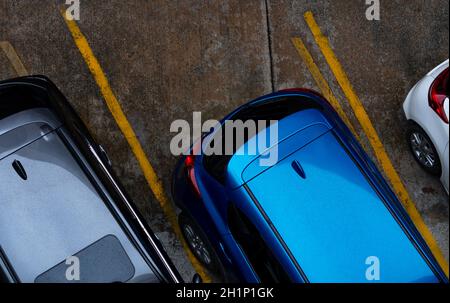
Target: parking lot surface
<point x="167" y="59"/>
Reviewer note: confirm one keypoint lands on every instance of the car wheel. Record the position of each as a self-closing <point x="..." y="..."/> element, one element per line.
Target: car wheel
<point x="424" y="151"/>
<point x="198" y="243"/>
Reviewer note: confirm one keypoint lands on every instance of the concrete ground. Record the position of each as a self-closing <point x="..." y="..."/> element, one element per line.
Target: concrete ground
<point x="165" y="59"/>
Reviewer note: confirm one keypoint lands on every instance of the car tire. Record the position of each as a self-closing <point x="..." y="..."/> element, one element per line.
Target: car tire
<point x="199" y="244"/>
<point x="423" y="150"/>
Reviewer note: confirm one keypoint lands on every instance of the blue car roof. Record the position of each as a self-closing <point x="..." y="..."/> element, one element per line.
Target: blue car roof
<point x="329" y="215"/>
<point x="298" y="129"/>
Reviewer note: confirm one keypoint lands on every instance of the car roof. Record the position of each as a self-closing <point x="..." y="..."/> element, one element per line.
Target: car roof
<point x="21" y="129"/>
<point x="336" y="220"/>
<point x="57" y="210"/>
<point x="267" y="109"/>
<point x="298" y="128"/>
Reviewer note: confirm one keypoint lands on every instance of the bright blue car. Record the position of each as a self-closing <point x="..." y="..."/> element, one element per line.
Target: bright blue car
<point x="323" y="213"/>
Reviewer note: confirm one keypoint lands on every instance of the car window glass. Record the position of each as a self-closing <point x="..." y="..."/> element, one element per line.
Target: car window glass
<point x="259" y="255"/>
<point x="274" y="109"/>
<point x="14" y="100"/>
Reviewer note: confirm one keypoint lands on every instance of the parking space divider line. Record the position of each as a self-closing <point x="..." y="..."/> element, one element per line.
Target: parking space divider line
<point x="321" y="82"/>
<point x="374" y="139"/>
<point x="116" y="110"/>
<point x="12" y="56"/>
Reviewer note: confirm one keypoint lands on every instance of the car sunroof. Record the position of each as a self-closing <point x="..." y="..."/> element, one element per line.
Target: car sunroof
<point x="104" y="261"/>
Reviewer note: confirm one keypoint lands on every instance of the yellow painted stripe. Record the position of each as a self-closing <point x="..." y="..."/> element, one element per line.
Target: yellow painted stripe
<point x="12" y="56"/>
<point x="113" y="104"/>
<point x="374" y="139"/>
<point x="321" y="82"/>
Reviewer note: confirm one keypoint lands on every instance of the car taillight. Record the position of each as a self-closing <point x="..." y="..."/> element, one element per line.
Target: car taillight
<point x="438" y="94"/>
<point x="189" y="163"/>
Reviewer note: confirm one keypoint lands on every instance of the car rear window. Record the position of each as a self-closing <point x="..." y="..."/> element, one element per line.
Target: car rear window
<point x="273" y="109"/>
<point x="104" y="261"/>
<point x="14" y="99"/>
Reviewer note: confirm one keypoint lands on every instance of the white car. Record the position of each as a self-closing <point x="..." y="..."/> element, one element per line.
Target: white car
<point x="426" y="108"/>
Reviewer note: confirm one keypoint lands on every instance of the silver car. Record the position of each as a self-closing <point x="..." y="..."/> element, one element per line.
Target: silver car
<point x="64" y="217"/>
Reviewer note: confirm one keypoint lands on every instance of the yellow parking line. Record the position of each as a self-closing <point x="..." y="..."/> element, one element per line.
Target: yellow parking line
<point x="321" y="82"/>
<point x="113" y="104"/>
<point x="374" y="139"/>
<point x="12" y="56"/>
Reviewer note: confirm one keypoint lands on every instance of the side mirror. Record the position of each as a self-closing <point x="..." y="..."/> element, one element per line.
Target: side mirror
<point x="197" y="279"/>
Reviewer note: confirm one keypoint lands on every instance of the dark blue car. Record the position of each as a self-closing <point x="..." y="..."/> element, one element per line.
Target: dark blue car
<point x="322" y="213"/>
